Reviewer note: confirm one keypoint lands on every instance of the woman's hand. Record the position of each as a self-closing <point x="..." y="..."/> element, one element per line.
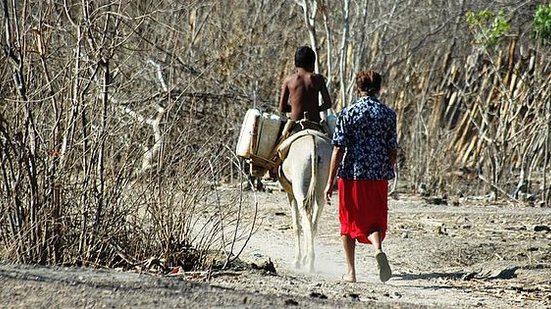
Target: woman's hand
<point x="336" y="158"/>
<point x="328" y="192"/>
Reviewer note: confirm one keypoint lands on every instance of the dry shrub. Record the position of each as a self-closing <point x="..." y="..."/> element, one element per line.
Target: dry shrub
<point x="121" y="212"/>
<point x="112" y="140"/>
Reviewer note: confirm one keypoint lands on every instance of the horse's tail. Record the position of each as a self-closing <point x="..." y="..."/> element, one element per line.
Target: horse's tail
<point x="310" y="198"/>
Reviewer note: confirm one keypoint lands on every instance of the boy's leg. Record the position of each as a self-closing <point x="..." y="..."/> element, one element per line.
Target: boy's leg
<point x="287" y="129"/>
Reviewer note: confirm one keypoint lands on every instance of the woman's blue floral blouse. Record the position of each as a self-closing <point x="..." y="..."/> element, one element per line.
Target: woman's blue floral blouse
<point x="367" y="132"/>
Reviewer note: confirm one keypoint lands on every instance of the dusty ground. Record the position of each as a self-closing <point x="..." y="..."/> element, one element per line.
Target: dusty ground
<point x="471" y="254"/>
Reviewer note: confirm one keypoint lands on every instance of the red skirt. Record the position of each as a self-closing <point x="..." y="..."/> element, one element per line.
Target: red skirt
<point x="363" y="208"/>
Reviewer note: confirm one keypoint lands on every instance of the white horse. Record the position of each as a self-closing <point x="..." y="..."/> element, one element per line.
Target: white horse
<point x="303" y="175"/>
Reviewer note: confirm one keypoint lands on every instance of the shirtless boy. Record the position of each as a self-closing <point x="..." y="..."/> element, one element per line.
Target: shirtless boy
<point x="300" y="91"/>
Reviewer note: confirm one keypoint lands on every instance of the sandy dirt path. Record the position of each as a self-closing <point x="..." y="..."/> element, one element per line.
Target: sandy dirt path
<point x="469" y="255"/>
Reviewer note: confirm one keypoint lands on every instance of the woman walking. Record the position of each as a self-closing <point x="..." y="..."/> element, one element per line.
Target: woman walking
<point x="364" y="154"/>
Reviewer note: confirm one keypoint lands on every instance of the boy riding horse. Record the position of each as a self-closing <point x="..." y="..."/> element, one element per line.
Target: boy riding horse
<point x="305" y="165"/>
<point x="300" y="91"/>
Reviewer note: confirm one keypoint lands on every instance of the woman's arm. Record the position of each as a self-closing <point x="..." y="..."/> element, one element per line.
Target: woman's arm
<point x="336" y="158"/>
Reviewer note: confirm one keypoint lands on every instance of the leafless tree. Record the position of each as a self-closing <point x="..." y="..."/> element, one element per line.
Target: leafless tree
<point x="118" y="118"/>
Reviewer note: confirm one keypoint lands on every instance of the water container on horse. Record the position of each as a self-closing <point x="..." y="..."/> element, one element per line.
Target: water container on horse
<point x="259" y="136"/>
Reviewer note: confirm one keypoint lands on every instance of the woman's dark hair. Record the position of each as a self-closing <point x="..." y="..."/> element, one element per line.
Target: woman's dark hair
<point x="304" y="57"/>
<point x="369" y="81"/>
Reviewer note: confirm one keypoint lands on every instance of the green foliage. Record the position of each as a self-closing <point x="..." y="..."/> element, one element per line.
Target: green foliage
<point x="487" y="27"/>
<point x="542" y="23"/>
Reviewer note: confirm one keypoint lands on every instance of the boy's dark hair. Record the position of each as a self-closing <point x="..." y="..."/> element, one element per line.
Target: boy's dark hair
<point x="369" y="81"/>
<point x="305" y="57"/>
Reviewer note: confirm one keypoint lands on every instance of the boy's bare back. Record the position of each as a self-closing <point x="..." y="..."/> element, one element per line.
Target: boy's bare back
<point x="300" y="93"/>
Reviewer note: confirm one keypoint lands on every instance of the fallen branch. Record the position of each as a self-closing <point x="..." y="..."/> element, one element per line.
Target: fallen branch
<point x="500" y="190"/>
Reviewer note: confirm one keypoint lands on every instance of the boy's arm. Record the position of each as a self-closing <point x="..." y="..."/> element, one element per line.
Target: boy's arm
<point x="284" y="107"/>
<point x="324" y="95"/>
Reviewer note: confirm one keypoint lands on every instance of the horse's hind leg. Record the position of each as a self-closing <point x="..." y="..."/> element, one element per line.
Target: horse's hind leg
<point x="296" y="230"/>
<point x="316" y="213"/>
<point x="307" y="229"/>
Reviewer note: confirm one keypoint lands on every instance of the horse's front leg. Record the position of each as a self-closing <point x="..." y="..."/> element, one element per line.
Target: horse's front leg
<point x="296" y="230"/>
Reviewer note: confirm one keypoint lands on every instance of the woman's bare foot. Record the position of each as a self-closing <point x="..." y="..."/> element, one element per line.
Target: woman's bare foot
<point x="348" y="278"/>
